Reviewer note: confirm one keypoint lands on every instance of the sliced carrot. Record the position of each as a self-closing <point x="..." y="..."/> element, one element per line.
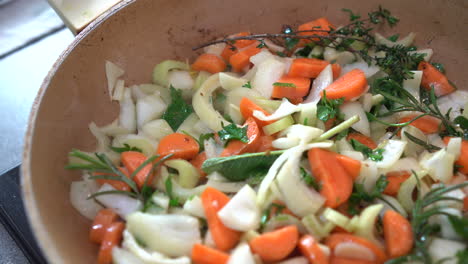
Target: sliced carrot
<point x="180" y="145"/>
<point x="112" y="238"/>
<point x="247" y="107"/>
<point x="119" y="185"/>
<point x="334" y="239"/>
<point x="349" y="86"/>
<point x="275" y="245"/>
<point x="395" y="180"/>
<point x="330" y="123"/>
<point x="132" y="160"/>
<point x="337" y="260"/>
<point x="465" y="204"/>
<point x="204" y="255"/>
<point x="319" y="25"/>
<point x="310" y="249"/>
<point x="462" y="161"/>
<point x="237" y="147"/>
<point x="337" y="184"/>
<point x="238" y="44"/>
<point x="427" y="124"/>
<point x="398" y="234"/>
<point x="224" y="237"/>
<point x="369" y="142"/>
<point x="299" y="88"/>
<point x="266" y="144"/>
<point x="241" y="59"/>
<point x="352" y="166"/>
<point x="197" y="162"/>
<point x="434" y="78"/>
<point x="311" y="68"/>
<point x="102" y="221"/>
<point x="210" y="63"/>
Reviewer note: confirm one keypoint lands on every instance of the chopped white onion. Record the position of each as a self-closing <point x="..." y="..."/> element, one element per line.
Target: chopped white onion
<point x="323" y="80"/>
<point x="241" y="254"/>
<point x="443" y="250"/>
<point x="215" y="49"/>
<point x="149" y="108"/>
<point x="353" y="250"/>
<point x="406" y="41"/>
<point x="241" y="212"/>
<point x="413" y="85"/>
<point x="268" y="72"/>
<point x="439" y="165"/>
<point x="121" y="203"/>
<point x="157" y="129"/>
<point x="285" y="109"/>
<point x="454" y="147"/>
<point x="369" y="71"/>
<point x="455" y="101"/>
<point x="123" y="256"/>
<point x="127" y="112"/>
<point x="194" y="207"/>
<point x="393" y="149"/>
<point x="262" y="56"/>
<point x="181" y="80"/>
<point x="118" y="90"/>
<point x="79" y="193"/>
<point x="113" y="72"/>
<point x="351" y="109"/>
<point x="230" y="81"/>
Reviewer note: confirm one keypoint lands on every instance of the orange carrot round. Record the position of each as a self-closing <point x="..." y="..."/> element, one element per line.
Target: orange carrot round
<point x="337" y="184"/>
<point x="462" y="160"/>
<point x="213" y="201"/>
<point x="210" y="63"/>
<point x="334" y="239"/>
<point x="349" y="86"/>
<point x="204" y="255"/>
<point x="237" y="147"/>
<point x="427" y="124"/>
<point x="311" y="68"/>
<point x="395" y="180"/>
<point x="352" y="166"/>
<point x="434" y="78"/>
<point x="247" y="107"/>
<point x="180" y="145"/>
<point x="310" y="249"/>
<point x="275" y="245"/>
<point x="197" y="162"/>
<point x="112" y="238"/>
<point x="102" y="221"/>
<point x="398" y="234"/>
<point x="132" y="160"/>
<point x="369" y="142"/>
<point x="300" y="88"/>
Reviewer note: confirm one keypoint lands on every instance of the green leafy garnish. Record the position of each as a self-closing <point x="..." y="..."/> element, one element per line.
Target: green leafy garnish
<point x="309" y="180"/>
<point x="375" y="155"/>
<point x="329" y="108"/>
<point x="462" y="256"/>
<point x="247" y="85"/>
<point x="284" y="84"/>
<point x="178" y="110"/>
<point x="352" y="15"/>
<point x="394" y="38"/>
<point x="460" y="225"/>
<point x="360" y="195"/>
<point x="304" y="52"/>
<point x="125" y="148"/>
<point x="233" y="132"/>
<point x="174" y="201"/>
<point x="439" y="66"/>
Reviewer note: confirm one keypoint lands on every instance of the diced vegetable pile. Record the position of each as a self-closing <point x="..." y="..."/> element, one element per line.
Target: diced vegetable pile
<point x="318" y="145"/>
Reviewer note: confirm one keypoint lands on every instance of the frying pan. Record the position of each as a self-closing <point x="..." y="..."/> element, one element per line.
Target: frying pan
<point x="137" y="35"/>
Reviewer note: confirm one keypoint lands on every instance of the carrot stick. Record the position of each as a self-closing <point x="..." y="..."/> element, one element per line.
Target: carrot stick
<point x="395" y="180"/>
<point x="337" y="184"/>
<point x="334" y="239"/>
<point x="238" y="44"/>
<point x="178" y="144"/>
<point x="362" y="139"/>
<point x="241" y="59"/>
<point x="210" y="63"/>
<point x="434" y="78"/>
<point x="204" y="255"/>
<point x="349" y="86"/>
<point x="427" y="124"/>
<point x="311" y="68"/>
<point x="119" y="185"/>
<point x="266" y="144"/>
<point x="462" y="161"/>
<point x="310" y="249"/>
<point x="398" y="234"/>
<point x="132" y="160"/>
<point x="247" y="107"/>
<point x="237" y="147"/>
<point x="299" y="88"/>
<point x="102" y="221"/>
<point x="213" y="201"/>
<point x="337" y="260"/>
<point x="352" y="166"/>
<point x="275" y="245"/>
<point x="197" y="162"/>
<point x="112" y="238"/>
<point x="318" y="24"/>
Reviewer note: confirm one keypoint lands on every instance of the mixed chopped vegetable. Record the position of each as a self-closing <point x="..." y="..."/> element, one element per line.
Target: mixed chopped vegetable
<point x="319" y="145"/>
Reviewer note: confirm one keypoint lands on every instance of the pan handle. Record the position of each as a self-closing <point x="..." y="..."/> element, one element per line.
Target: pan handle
<point x="77" y="14"/>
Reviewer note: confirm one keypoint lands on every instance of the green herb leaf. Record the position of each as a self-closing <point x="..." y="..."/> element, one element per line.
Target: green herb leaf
<point x="352" y="16"/>
<point x="174" y="201"/>
<point x="309" y="180"/>
<point x="375" y="155"/>
<point x="233" y="132"/>
<point x="329" y="108"/>
<point x="439" y="66"/>
<point x="178" y="110"/>
<point x="304" y="52"/>
<point x="359" y="194"/>
<point x="241" y="167"/>
<point x="462" y="256"/>
<point x="427" y="146"/>
<point x="460" y="225"/>
<point x="394" y="38"/>
<point x="284" y="84"/>
<point x="125" y="148"/>
<point x="247" y="85"/>
<point x="262" y="44"/>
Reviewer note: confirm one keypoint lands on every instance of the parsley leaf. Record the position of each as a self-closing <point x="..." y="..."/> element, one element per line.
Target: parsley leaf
<point x="329" y="108"/>
<point x="439" y="66"/>
<point x="394" y="38"/>
<point x="462" y="256"/>
<point x="460" y="225"/>
<point x="359" y="194"/>
<point x="352" y="16"/>
<point x="233" y="132"/>
<point x="304" y="52"/>
<point x="284" y="84"/>
<point x="174" y="201"/>
<point x="309" y="180"/>
<point x="125" y="148"/>
<point x="178" y="110"/>
<point x="247" y="85"/>
<point x="375" y="155"/>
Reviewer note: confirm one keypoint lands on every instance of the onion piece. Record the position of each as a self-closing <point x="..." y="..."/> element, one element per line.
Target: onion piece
<point x="455" y="101"/>
<point x="369" y="71"/>
<point x="261" y="57"/>
<point x="443" y="250"/>
<point x="393" y="149"/>
<point x="122" y="204"/>
<point x="368" y="175"/>
<point x="145" y="144"/>
<point x="181" y="80"/>
<point x="230" y="81"/>
<point x="283" y="220"/>
<point x="340" y="57"/>
<point x="188" y="174"/>
<point x="355" y="108"/>
<point x="367" y="220"/>
<point x="413" y="85"/>
<point x="406" y="41"/>
<point x="123" y="256"/>
<point x="323" y="80"/>
<point x="446" y="228"/>
<point x="157" y="129"/>
<point x="351" y="250"/>
<point x="403" y="164"/>
<point x="278" y="126"/>
<point x="194" y="207"/>
<point x="390" y="203"/>
<point x="211" y="149"/>
<point x="268" y="72"/>
<point x="220" y="183"/>
<point x="439" y="165"/>
<point x="285" y="109"/>
<point x="454" y="147"/>
<point x="79" y="193"/>
<point x="215" y="49"/>
<point x="241" y="212"/>
<point x="149" y="108"/>
<point x="113" y="72"/>
<point x="161" y="71"/>
<point x="412" y="149"/>
<point x="119" y="90"/>
<point x="405" y="193"/>
<point x="296" y="260"/>
<point x="241" y="254"/>
<point x="127" y="112"/>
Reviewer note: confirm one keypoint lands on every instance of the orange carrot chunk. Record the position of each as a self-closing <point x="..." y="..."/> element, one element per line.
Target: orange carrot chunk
<point x="334" y="239"/>
<point x="434" y="78"/>
<point x="224" y="237"/>
<point x="338" y="260"/>
<point x="132" y="160"/>
<point x="247" y="107"/>
<point x="197" y="162"/>
<point x="310" y="249"/>
<point x="337" y="184"/>
<point x="398" y="234"/>
<point x="395" y="180"/>
<point x="298" y="88"/>
<point x="369" y="142"/>
<point x="427" y="124"/>
<point x="204" y="255"/>
<point x="352" y="166"/>
<point x="349" y="86"/>
<point x="210" y="63"/>
<point x="112" y="238"/>
<point x="241" y="59"/>
<point x="311" y="68"/>
<point x="319" y="25"/>
<point x="275" y="245"/>
<point x="462" y="161"/>
<point x="102" y="221"/>
<point x="237" y="147"/>
<point x="266" y="144"/>
<point x="180" y="145"/>
<point x="238" y="44"/>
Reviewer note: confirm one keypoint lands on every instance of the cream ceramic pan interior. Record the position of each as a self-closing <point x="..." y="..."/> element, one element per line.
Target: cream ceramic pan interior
<point x="138" y="34"/>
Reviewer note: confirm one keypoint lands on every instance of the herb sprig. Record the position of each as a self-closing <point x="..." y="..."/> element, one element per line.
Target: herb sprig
<point x="360" y="195"/>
